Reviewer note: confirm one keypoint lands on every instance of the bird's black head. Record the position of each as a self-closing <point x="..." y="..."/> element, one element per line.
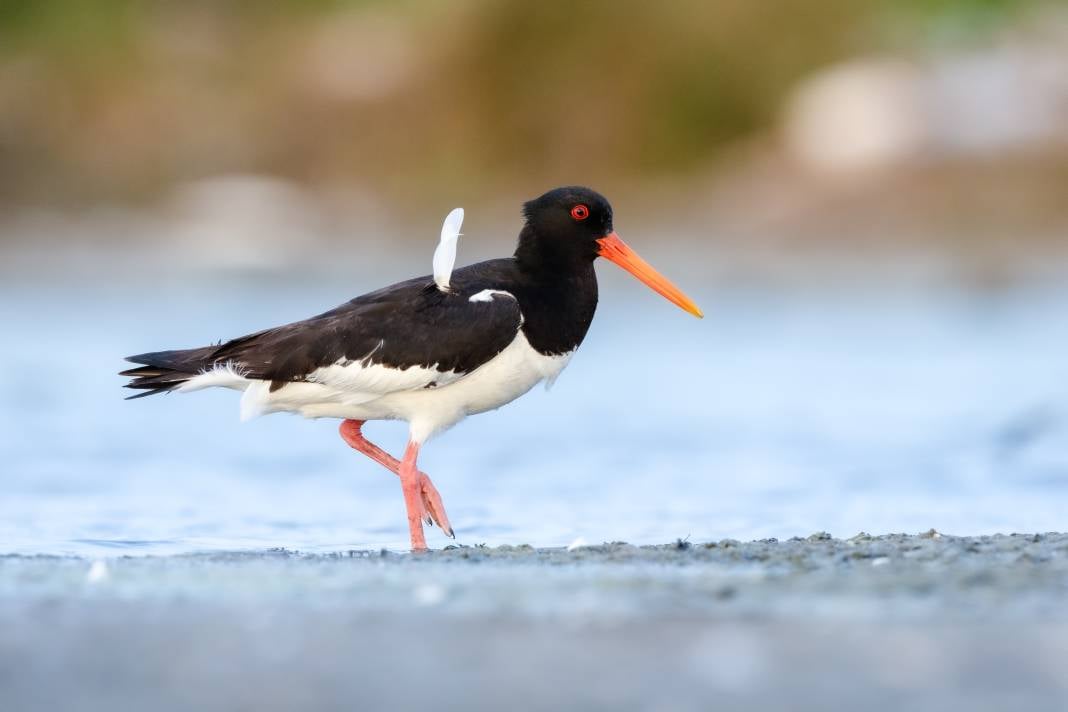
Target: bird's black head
<point x="563" y="226"/>
<point x="568" y="228"/>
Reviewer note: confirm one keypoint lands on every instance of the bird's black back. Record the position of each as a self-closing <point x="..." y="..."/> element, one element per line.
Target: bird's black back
<point x="411" y="323"/>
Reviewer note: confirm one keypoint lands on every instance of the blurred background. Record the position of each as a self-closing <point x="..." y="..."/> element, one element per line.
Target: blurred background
<point x="868" y="197"/>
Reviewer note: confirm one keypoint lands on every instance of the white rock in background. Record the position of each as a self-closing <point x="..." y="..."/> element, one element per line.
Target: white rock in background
<point x="861" y="115"/>
<point x="242" y="222"/>
<point x="871" y="114"/>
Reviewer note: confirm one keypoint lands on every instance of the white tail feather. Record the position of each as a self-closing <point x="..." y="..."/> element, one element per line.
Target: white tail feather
<point x="445" y="254"/>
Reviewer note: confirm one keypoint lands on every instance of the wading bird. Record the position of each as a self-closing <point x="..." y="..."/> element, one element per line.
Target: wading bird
<point x="431" y="350"/>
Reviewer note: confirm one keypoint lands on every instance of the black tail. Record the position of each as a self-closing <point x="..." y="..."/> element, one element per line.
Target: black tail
<point x="164" y="371"/>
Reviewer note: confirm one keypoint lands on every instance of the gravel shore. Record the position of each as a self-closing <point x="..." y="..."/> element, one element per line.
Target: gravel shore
<point x="926" y="621"/>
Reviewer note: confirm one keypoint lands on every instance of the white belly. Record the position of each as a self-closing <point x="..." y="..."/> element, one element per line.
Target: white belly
<point x="502" y="379"/>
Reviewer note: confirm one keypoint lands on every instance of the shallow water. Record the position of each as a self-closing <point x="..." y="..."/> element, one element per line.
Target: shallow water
<point x="781" y="413"/>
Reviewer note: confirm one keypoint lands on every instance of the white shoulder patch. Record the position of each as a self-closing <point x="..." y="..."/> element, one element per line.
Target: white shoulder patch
<point x="445" y="254"/>
<point x="486" y="295"/>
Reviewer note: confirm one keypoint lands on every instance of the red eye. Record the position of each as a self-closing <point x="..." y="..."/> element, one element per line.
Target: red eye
<point x="580" y="212"/>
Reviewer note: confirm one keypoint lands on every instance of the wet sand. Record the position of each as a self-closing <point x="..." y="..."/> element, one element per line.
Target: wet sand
<point x="925" y="622"/>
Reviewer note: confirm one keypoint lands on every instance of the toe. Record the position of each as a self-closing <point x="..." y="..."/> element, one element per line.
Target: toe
<point x="435" y="507"/>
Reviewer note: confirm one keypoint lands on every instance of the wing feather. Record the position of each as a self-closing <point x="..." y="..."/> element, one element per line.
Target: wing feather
<point x="405" y="337"/>
<point x="445" y="254"/>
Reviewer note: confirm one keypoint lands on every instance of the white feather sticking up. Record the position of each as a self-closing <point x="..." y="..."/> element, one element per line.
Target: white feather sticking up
<point x="445" y="254"/>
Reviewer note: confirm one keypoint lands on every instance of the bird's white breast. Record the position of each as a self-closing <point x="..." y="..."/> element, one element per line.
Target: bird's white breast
<point x="502" y="379"/>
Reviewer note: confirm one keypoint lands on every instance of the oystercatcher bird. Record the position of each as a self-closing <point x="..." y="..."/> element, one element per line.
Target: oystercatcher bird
<point x="431" y="350"/>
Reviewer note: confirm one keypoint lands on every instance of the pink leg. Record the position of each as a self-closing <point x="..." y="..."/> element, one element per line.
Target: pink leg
<point x="430" y="501"/>
<point x="410" y="483"/>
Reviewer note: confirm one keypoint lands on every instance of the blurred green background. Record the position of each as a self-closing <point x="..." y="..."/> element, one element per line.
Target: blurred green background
<point x="873" y="122"/>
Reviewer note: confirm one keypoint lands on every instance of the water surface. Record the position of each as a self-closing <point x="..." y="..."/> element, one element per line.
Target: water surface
<point x="782" y="413"/>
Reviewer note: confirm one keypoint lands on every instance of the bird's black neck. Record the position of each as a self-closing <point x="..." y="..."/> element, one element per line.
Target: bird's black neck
<point x="557" y="297"/>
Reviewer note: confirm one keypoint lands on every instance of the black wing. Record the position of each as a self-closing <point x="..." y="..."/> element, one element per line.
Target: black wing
<point x="412" y="323"/>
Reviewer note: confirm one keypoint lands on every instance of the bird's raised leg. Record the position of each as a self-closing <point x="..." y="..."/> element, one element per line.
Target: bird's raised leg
<point x="430" y="504"/>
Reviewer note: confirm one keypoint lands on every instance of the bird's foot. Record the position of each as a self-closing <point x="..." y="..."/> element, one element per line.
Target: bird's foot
<point x="433" y="508"/>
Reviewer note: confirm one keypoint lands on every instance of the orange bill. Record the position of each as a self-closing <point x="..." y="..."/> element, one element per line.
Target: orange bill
<point x="615" y="250"/>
